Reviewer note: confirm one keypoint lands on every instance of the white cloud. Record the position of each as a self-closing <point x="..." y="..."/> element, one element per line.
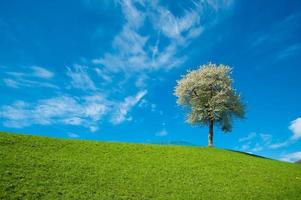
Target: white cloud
<point x="20" y="83"/>
<point x="258" y="147"/>
<point x="295" y="127"/>
<point x="134" y="17"/>
<point x="135" y="50"/>
<point x="180" y="29"/>
<point x="80" y="78"/>
<point x="93" y="128"/>
<point x="87" y="111"/>
<point x="141" y="81"/>
<point x="34" y="71"/>
<point x="292" y="157"/>
<point x="103" y="74"/>
<point x="255" y="142"/>
<point x="279" y="145"/>
<point x="73" y="121"/>
<point x="265" y="140"/>
<point x="11" y="83"/>
<point x="57" y="110"/>
<point x="17" y="79"/>
<point x="15" y="114"/>
<point x="94" y="110"/>
<point x="245" y="147"/>
<point x="162" y="133"/>
<point x="275" y="35"/>
<point x="122" y="109"/>
<point x="289" y="51"/>
<point x="41" y="72"/>
<point x="73" y="135"/>
<point x="248" y="137"/>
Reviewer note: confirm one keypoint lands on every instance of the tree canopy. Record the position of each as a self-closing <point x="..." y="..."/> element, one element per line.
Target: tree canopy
<point x="208" y="92"/>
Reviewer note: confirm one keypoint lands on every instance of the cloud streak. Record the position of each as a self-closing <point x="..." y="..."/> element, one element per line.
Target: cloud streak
<point x="295" y="127"/>
<point x="257" y="142"/>
<point x="21" y="83"/>
<point x="28" y="78"/>
<point x="291" y="157"/>
<point x="87" y="111"/>
<point x="134" y="50"/>
<point x="123" y="108"/>
<point x="41" y="72"/>
<point x="58" y="110"/>
<point x="80" y="78"/>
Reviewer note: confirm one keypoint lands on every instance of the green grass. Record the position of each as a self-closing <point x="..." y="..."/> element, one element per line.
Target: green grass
<point x="43" y="168"/>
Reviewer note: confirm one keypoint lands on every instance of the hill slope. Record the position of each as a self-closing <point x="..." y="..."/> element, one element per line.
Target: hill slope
<point x="44" y="168"/>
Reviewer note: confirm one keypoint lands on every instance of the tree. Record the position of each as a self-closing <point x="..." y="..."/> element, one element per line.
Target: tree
<point x="209" y="94"/>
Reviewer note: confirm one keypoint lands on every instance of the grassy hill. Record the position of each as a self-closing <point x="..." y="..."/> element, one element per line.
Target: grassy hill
<point x="44" y="168"/>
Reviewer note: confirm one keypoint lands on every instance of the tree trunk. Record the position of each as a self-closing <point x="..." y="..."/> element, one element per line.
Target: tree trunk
<point x="210" y="135"/>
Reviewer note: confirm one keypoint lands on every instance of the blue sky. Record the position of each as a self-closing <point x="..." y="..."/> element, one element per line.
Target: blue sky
<point x="106" y="70"/>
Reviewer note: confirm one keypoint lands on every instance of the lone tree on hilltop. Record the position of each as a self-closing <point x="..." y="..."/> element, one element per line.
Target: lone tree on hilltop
<point x="208" y="92"/>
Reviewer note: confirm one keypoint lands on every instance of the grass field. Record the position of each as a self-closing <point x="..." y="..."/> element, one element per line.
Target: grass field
<point x="44" y="168"/>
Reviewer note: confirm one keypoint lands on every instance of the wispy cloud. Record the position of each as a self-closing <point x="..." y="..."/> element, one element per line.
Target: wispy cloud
<point x="295" y="127"/>
<point x="266" y="138"/>
<point x="73" y="135"/>
<point x="290" y="51"/>
<point x="277" y="34"/>
<point x="254" y="142"/>
<point x="80" y="78"/>
<point x="274" y="32"/>
<point x="122" y="109"/>
<point x="87" y="111"/>
<point x="291" y="157"/>
<point x="21" y="83"/>
<point x="11" y="83"/>
<point x="134" y="50"/>
<point x="179" y="29"/>
<point x="248" y="137"/>
<point x="41" y="72"/>
<point x="27" y="77"/>
<point x="58" y="110"/>
<point x="279" y="145"/>
<point x="32" y="71"/>
<point x="162" y="133"/>
<point x="103" y="74"/>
